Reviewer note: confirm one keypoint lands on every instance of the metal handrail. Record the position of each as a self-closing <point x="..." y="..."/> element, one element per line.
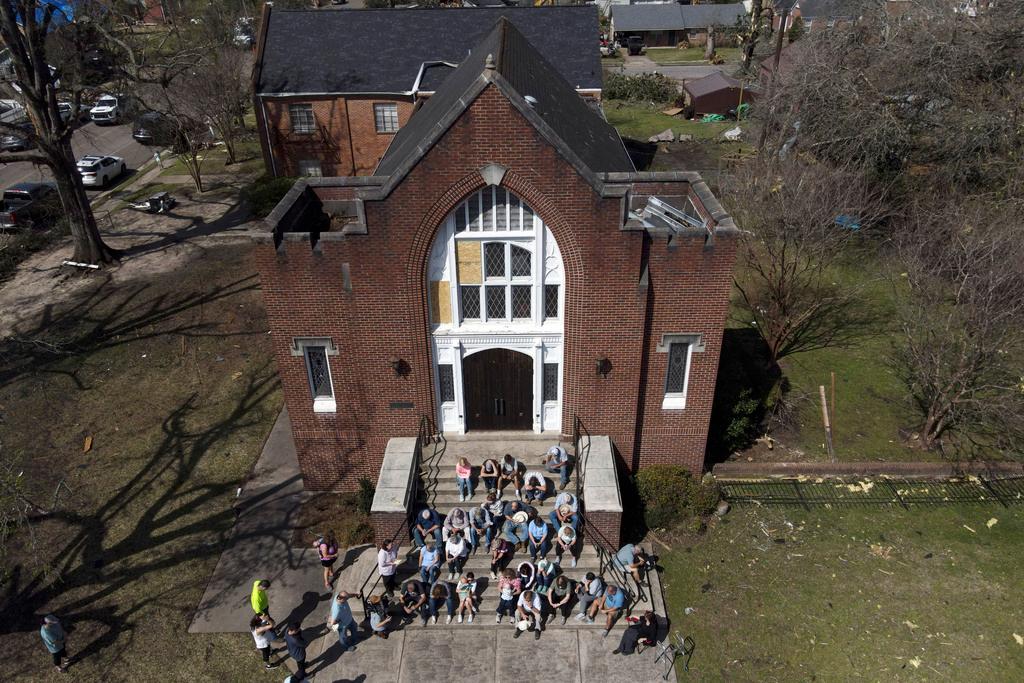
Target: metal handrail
<point x="424" y="437"/>
<point x="581" y="451"/>
<point x="606" y="562"/>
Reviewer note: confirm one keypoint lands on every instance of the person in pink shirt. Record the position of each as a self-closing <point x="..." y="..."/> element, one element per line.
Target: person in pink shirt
<point x="464" y="478"/>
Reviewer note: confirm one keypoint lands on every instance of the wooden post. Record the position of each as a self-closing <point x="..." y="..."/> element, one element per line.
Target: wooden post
<point x="825" y="421"/>
<point x="832" y="402"/>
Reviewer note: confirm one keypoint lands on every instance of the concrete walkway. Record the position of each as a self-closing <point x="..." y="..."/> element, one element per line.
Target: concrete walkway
<point x="260" y="547"/>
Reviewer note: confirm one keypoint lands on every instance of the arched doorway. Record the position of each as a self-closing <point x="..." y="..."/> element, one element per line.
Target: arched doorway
<point x="498" y="387"/>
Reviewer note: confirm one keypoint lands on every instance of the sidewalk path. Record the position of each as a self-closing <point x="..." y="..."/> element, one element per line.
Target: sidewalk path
<point x="260" y="547"/>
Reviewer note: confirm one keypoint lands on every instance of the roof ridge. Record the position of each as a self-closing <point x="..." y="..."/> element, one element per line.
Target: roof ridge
<point x="502" y="27"/>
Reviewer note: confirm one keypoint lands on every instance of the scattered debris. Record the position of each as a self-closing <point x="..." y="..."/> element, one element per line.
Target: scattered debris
<point x="1019" y="638"/>
<point x="928" y="556"/>
<point x="689" y="610"/>
<point x="722" y="508"/>
<point x="664" y="136"/>
<point x="992" y="522"/>
<point x="689" y="138"/>
<point x="733" y="134"/>
<point x="672" y="111"/>
<point x="861" y="487"/>
<point x="970" y="529"/>
<point x="705" y="588"/>
<point x="881" y="551"/>
<point x="915" y="662"/>
<point x="909" y="624"/>
<point x="87" y="446"/>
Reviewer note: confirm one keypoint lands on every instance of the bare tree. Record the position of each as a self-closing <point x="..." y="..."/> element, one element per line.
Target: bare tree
<point x="21" y="508"/>
<point x="24" y="27"/>
<point x="753" y="34"/>
<point x="800" y="218"/>
<point x="961" y="345"/>
<point x="221" y="89"/>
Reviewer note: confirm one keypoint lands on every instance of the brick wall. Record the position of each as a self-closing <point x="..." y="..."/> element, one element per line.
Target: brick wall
<point x="609" y="524"/>
<point x="388" y="525"/>
<point x="347" y="141"/>
<point x="606" y="312"/>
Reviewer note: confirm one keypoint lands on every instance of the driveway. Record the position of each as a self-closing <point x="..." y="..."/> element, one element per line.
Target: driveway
<point x="87" y="139"/>
<point x="680" y="74"/>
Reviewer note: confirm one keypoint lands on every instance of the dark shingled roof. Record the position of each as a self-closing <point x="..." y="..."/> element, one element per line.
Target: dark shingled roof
<point x="381" y="51"/>
<point x="671" y="16"/>
<point x="519" y="71"/>
<point x="713" y="82"/>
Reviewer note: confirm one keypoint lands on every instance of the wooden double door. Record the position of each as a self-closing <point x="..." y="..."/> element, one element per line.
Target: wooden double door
<point x="498" y="390"/>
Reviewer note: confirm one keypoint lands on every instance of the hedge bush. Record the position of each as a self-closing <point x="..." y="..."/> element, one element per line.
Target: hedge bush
<point x="671" y="496"/>
<point x="265" y="192"/>
<point x="640" y="88"/>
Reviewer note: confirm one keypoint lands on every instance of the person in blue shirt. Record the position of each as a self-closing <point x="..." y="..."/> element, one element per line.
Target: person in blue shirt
<point x="427" y="522"/>
<point x="631" y="558"/>
<point x="540" y="542"/>
<point x="341" y="617"/>
<point x="610" y="605"/>
<point x="296" y="648"/>
<point x="54" y="638"/>
<point x="430" y="563"/>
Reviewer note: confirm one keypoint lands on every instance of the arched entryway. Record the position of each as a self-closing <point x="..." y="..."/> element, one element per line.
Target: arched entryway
<point x="498" y="388"/>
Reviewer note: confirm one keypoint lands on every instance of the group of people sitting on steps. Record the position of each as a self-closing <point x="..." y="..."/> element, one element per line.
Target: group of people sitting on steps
<point x="497" y="474"/>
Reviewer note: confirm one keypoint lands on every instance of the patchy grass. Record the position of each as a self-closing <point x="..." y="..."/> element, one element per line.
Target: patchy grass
<point x="690" y="55"/>
<point x="148" y="190"/>
<point x="642" y="120"/>
<point x="172" y="378"/>
<point x="247" y="152"/>
<point x="859" y="593"/>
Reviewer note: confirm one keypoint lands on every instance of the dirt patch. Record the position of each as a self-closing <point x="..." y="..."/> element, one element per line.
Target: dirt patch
<point x="342" y="514"/>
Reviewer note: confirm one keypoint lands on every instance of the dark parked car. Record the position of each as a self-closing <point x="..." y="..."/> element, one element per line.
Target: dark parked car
<point x="153" y="128"/>
<point x="27" y="205"/>
<point x="635" y="45"/>
<point x="15" y="142"/>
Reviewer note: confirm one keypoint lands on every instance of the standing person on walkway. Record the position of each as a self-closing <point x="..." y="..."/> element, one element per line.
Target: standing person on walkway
<point x="441" y="593"/>
<point x="342" y="621"/>
<point x="489" y="475"/>
<point x="528" y="608"/>
<point x="428" y="523"/>
<point x="380" y="621"/>
<point x="464" y="479"/>
<point x="259" y="600"/>
<point x="481" y="525"/>
<point x="414" y="600"/>
<point x="610" y="605"/>
<point x="588" y="591"/>
<point x="327" y="548"/>
<point x="387" y="562"/>
<point x="509" y="472"/>
<point x="565" y="542"/>
<point x="539" y="534"/>
<point x="55" y="640"/>
<point x="557" y="460"/>
<point x="262" y="629"/>
<point x="456" y="550"/>
<point x="466" y="592"/>
<point x="508" y="588"/>
<point x="560" y="597"/>
<point x="296" y="648"/>
<point x="430" y="562"/>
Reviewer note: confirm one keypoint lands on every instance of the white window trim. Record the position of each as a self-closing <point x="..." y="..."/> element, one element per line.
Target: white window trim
<point x="291" y="119"/>
<point x="385" y="109"/>
<point x="676" y="400"/>
<point x="321" y="404"/>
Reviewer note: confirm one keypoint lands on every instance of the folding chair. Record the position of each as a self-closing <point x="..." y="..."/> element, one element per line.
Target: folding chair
<point x="677" y="646"/>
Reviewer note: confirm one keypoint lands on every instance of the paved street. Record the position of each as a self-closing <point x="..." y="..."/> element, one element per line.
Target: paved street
<point x="88" y="139"/>
<point x="680" y="74"/>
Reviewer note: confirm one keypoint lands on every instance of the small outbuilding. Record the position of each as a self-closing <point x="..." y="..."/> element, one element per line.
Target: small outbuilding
<point x="716" y="93"/>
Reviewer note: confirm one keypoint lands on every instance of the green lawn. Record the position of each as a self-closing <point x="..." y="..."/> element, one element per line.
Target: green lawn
<point x="640" y="121"/>
<point x="248" y="160"/>
<point x="872" y="594"/>
<point x="671" y="55"/>
<point x="171" y="379"/>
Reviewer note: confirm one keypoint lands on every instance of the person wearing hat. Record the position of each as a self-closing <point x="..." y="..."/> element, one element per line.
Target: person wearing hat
<point x="564" y="542"/>
<point x="342" y="621"/>
<point x="535" y="486"/>
<point x="430" y="562"/>
<point x="516" y="528"/>
<point x="539" y="534"/>
<point x="54" y="639"/>
<point x="379" y="618"/>
<point x="509" y="472"/>
<point x="557" y="460"/>
<point x="563" y="514"/>
<point x="427" y="522"/>
<point x="514" y="506"/>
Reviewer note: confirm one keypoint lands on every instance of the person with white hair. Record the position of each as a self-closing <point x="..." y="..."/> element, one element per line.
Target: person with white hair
<point x="557" y="460"/>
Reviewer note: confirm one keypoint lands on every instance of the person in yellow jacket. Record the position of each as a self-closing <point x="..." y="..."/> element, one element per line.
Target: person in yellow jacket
<point x="260" y="601"/>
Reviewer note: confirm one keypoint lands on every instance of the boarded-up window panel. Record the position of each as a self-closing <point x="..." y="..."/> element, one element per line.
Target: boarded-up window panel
<point x="467" y="257"/>
<point x="440" y="302"/>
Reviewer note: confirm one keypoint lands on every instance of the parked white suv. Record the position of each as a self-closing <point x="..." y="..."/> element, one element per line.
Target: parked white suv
<point x="97" y="171"/>
<point x="108" y="109"/>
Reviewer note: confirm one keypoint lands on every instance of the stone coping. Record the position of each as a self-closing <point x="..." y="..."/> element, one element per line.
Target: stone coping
<point x="601" y="478"/>
<point x="395" y="480"/>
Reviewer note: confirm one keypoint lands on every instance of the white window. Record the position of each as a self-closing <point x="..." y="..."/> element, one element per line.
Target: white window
<point x="508" y="284"/>
<point x="303" y="121"/>
<point x="676" y="375"/>
<point x="315" y="352"/>
<point x="310" y="167"/>
<point x="385" y="117"/>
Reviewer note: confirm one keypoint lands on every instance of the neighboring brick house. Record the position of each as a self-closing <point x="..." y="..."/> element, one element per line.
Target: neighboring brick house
<point x="505" y="268"/>
<point x="332" y="87"/>
<point x="818" y="14"/>
<point x="668" y="24"/>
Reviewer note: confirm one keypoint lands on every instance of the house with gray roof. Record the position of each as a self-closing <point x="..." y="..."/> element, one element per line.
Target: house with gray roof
<point x="667" y="25"/>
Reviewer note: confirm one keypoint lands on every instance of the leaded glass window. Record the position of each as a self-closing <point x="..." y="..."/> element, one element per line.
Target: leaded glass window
<point x="675" y="382"/>
<point x="460" y="219"/>
<point x="319" y="373"/>
<point x="446" y="383"/>
<point x="522" y="261"/>
<point x="495" y="302"/>
<point x="521" y="304"/>
<point x="473" y="206"/>
<point x="551" y="381"/>
<point x="494" y="259"/>
<point x="501" y="210"/>
<point x="470" y="302"/>
<point x="302" y="119"/>
<point x="550" y="301"/>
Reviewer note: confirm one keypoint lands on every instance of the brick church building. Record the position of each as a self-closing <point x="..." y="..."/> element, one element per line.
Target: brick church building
<point x="504" y="268"/>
